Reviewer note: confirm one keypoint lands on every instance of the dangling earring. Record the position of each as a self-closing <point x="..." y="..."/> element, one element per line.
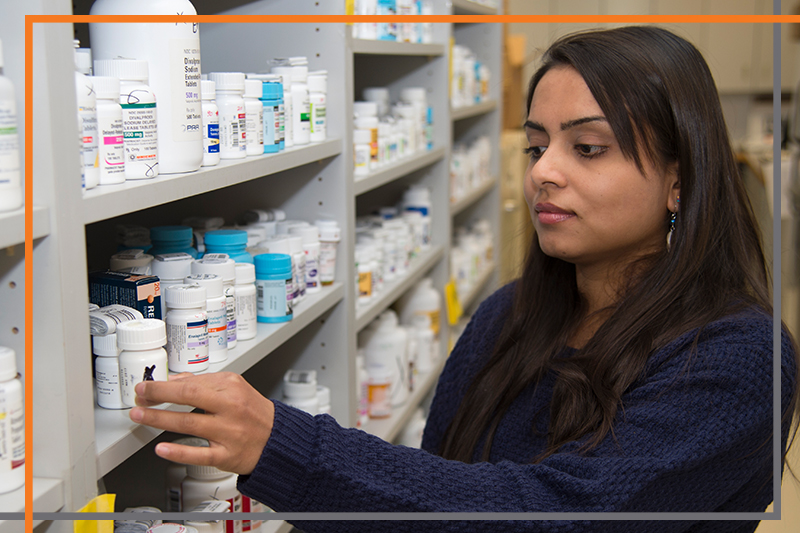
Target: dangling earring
<point x="673" y="216"/>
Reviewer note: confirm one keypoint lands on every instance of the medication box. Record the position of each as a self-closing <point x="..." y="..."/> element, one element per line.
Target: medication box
<point x="134" y="290"/>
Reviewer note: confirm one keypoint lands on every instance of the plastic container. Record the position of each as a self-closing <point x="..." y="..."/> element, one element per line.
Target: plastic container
<point x="254" y="117"/>
<point x="106" y="371"/>
<point x="172" y="240"/>
<point x="272" y="103"/>
<point x="274" y="287"/>
<point x="246" y="302"/>
<point x="176" y="473"/>
<point x="324" y="399"/>
<point x="187" y="328"/>
<point x="232" y="115"/>
<point x="173" y="55"/>
<point x="204" y="481"/>
<point x="301" y="110"/>
<point x="386" y="354"/>
<point x="300" y="390"/>
<point x="111" y="150"/>
<point x="12" y="424"/>
<point x="10" y="177"/>
<point x="171" y="269"/>
<point x="380" y="96"/>
<point x="299" y="258"/>
<point x="131" y="258"/>
<point x="362" y="391"/>
<point x="362" y="152"/>
<point x="210" y="110"/>
<point x="279" y="244"/>
<point x="329" y="237"/>
<point x="228" y="241"/>
<point x="318" y="104"/>
<point x="311" y="249"/>
<point x="87" y="131"/>
<point x="142" y="356"/>
<point x="139" y="115"/>
<point x="423" y="299"/>
<point x="216" y="310"/>
<point x="371" y="124"/>
<point x="285" y="72"/>
<point x="224" y="267"/>
<point x="250" y="505"/>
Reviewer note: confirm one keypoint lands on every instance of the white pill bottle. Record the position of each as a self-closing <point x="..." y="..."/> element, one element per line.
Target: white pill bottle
<point x="12" y="424"/>
<point x="173" y="54"/>
<point x="204" y="481"/>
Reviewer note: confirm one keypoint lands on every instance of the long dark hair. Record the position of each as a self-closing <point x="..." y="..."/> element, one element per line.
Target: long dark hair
<point x="659" y="98"/>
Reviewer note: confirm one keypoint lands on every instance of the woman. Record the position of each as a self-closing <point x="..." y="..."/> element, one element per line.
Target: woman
<point x="628" y="369"/>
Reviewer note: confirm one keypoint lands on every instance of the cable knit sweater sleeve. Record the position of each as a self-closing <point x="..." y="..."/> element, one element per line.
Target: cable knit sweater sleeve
<point x="694" y="435"/>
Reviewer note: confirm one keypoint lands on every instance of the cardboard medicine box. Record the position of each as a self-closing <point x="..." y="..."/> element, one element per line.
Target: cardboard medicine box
<point x="141" y="292"/>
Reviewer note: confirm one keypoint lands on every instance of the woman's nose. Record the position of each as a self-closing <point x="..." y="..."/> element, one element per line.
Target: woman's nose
<point x="548" y="170"/>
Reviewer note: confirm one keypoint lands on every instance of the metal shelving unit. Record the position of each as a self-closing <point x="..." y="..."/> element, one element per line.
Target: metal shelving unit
<point x="472" y="196"/>
<point x="461" y="113"/>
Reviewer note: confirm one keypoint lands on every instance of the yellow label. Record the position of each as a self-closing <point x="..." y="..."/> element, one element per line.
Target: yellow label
<point x="435" y="317"/>
<point x="349" y="9"/>
<point x="365" y="283"/>
<point x="454" y="310"/>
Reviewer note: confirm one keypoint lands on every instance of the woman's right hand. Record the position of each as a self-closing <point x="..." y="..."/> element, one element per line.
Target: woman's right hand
<point x="237" y="421"/>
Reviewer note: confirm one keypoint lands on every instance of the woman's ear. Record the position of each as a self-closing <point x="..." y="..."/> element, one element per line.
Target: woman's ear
<point x="673" y="180"/>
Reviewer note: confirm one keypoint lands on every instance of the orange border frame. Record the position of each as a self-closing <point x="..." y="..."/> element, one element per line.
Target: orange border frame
<point x="348" y="19"/>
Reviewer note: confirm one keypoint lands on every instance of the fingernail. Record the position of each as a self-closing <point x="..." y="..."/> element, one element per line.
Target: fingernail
<point x="139" y="388"/>
<point x="137" y="414"/>
<point x="162" y="450"/>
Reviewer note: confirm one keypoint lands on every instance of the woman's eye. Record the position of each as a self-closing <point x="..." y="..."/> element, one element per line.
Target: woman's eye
<point x="589" y="150"/>
<point x="535" y="152"/>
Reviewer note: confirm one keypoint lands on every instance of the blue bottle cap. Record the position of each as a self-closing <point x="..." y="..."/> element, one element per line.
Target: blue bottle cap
<point x="171" y="233"/>
<point x="225" y="237"/>
<point x="271" y="91"/>
<point x="272" y="263"/>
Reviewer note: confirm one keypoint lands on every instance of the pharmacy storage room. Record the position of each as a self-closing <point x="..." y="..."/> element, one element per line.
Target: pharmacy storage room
<point x="307" y="273"/>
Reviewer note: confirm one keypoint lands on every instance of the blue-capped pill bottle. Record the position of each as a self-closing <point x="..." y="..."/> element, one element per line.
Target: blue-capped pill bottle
<point x="172" y="240"/>
<point x="274" y="289"/>
<point x="228" y="241"/>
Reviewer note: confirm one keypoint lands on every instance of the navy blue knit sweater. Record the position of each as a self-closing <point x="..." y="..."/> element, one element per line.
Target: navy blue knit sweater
<point x="691" y="439"/>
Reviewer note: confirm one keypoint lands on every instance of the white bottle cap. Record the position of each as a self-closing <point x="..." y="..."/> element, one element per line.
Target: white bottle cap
<point x="142" y="334"/>
<point x="413" y="94"/>
<point x="224" y="268"/>
<point x="105" y="345"/>
<point x="362" y="136"/>
<point x="228" y="81"/>
<point x="253" y="88"/>
<point x="318" y="83"/>
<point x="133" y="257"/>
<point x="309" y="234"/>
<point x="208" y="90"/>
<point x="323" y="395"/>
<point x="8" y="361"/>
<point x="124" y="69"/>
<point x="211" y="282"/>
<point x="365" y="109"/>
<point x="376" y="94"/>
<point x="277" y="244"/>
<point x="282" y="228"/>
<point x="206" y="472"/>
<point x="172" y="266"/>
<point x="328" y="230"/>
<point x="300" y="384"/>
<point x="185" y="296"/>
<point x="295" y="244"/>
<point x="169" y="527"/>
<point x="286" y="77"/>
<point x="245" y="273"/>
<point x="106" y="87"/>
<point x="83" y="60"/>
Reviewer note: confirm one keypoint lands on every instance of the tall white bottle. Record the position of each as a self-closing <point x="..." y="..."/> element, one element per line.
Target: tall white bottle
<point x="10" y="181"/>
<point x="173" y="53"/>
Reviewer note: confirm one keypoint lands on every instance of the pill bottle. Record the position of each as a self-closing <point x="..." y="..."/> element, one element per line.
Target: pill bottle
<point x="261" y="215"/>
<point x="273" y="287"/>
<point x="279" y="244"/>
<point x="317" y="103"/>
<point x="169" y="527"/>
<point x="172" y="52"/>
<point x="299" y="258"/>
<point x="362" y="390"/>
<point x="311" y="249"/>
<point x="142" y="356"/>
<point x="133" y="257"/>
<point x="208" y="93"/>
<point x="300" y="390"/>
<point x="171" y="240"/>
<point x="187" y="328"/>
<point x="217" y="312"/>
<point x="329" y="237"/>
<point x="362" y="150"/>
<point x="106" y="371"/>
<point x="272" y="103"/>
<point x="285" y="72"/>
<point x="370" y="123"/>
<point x="228" y="241"/>
<point x="87" y="131"/>
<point x="225" y="268"/>
<point x="364" y="283"/>
<point x="249" y="505"/>
<point x="386" y="348"/>
<point x="427" y="349"/>
<point x="246" y="304"/>
<point x="12" y="424"/>
<point x="104" y="320"/>
<point x="175" y="474"/>
<point x="10" y="179"/>
<point x="324" y="399"/>
<point x="422" y="299"/>
<point x="202" y="481"/>
<point x="171" y="269"/>
<point x="379" y="403"/>
<point x="211" y="506"/>
<point x="254" y="117"/>
<point x="111" y="150"/>
<point x="232" y="117"/>
<point x="139" y="117"/>
<point x="301" y="112"/>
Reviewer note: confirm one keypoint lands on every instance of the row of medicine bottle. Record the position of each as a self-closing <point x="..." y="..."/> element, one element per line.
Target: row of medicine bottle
<point x="471" y="254"/>
<point x="469" y="167"/>
<point x="409" y="32"/>
<point x="470" y="79"/>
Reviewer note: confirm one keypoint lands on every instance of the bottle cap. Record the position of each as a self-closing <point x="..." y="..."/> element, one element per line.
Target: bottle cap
<point x="365" y="109"/>
<point x="300" y="384"/>
<point x="83" y="60"/>
<point x="172" y="266"/>
<point x="185" y="296"/>
<point x="208" y="90"/>
<point x="133" y="257"/>
<point x="285" y="73"/>
<point x="206" y="472"/>
<point x="8" y="363"/>
<point x="141" y="334"/>
<point x="106" y="87"/>
<point x="171" y="234"/>
<point x="124" y="69"/>
<point x="253" y="88"/>
<point x="224" y="267"/>
<point x="105" y="345"/>
<point x="211" y="282"/>
<point x="272" y="263"/>
<point x="362" y="136"/>
<point x="309" y="234"/>
<point x="228" y="81"/>
<point x="245" y="273"/>
<point x="318" y="83"/>
<point x="296" y="244"/>
<point x="276" y="244"/>
<point x="225" y="237"/>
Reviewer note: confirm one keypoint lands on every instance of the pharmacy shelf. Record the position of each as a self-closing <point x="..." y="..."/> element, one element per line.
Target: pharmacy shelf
<point x="471" y="197"/>
<point x="483" y="278"/>
<point x="12" y="225"/>
<point x="466" y="7"/>
<point x="109" y="201"/>
<point x="395" y="288"/>
<point x="393" y="48"/>
<point x="460" y="113"/>
<point x="388" y="428"/>
<point x="48" y="495"/>
<point x="117" y="437"/>
<point x="397" y="170"/>
<point x="276" y="526"/>
<point x="12" y="526"/>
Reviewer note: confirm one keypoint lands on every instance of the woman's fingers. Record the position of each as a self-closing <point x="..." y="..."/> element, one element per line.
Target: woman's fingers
<point x="196" y="424"/>
<point x="195" y="391"/>
<point x="188" y="455"/>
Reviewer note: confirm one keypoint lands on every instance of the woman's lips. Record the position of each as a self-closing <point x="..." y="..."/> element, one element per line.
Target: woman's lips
<point x="552" y="214"/>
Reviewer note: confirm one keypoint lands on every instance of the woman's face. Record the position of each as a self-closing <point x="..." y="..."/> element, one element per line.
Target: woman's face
<point x="589" y="204"/>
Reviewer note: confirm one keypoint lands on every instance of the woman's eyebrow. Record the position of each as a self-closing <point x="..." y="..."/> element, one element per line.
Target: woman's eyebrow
<point x="565" y="125"/>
